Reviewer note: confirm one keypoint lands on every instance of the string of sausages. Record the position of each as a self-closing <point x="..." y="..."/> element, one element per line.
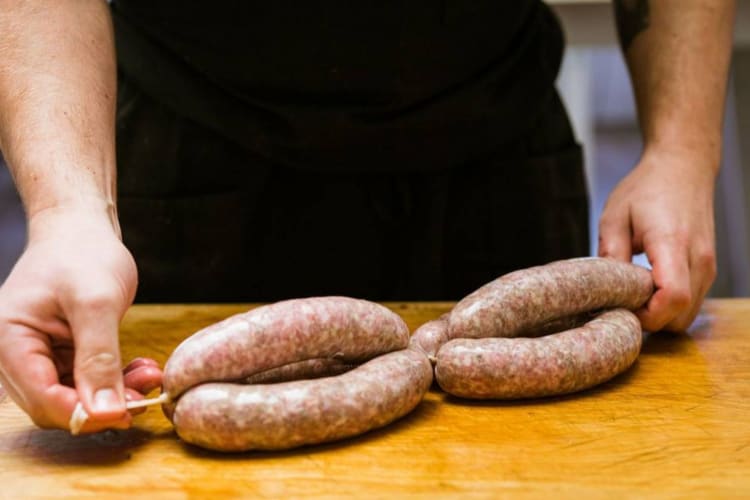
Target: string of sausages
<point x="308" y="371"/>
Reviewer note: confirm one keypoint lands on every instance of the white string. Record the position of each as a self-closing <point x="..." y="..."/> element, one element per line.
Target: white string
<point x="140" y="403"/>
<point x="79" y="416"/>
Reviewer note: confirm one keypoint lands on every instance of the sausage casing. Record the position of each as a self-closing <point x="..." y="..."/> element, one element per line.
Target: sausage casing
<point x="569" y="361"/>
<point x="347" y="330"/>
<point x="517" y="303"/>
<point x="234" y="417"/>
<point x="430" y="336"/>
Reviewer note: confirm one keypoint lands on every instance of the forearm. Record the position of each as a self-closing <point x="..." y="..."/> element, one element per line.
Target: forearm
<point x="57" y="104"/>
<point x="678" y="54"/>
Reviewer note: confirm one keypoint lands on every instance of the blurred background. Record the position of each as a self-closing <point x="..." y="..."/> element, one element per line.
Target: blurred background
<point x="12" y="226"/>
<point x="596" y="89"/>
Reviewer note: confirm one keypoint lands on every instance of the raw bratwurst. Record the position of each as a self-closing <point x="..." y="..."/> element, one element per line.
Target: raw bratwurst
<point x="213" y="406"/>
<point x="577" y="342"/>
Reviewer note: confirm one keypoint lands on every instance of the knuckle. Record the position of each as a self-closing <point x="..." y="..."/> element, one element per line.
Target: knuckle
<point x="99" y="362"/>
<point x="604" y="244"/>
<point x="680" y="298"/>
<point x="96" y="300"/>
<point x="676" y="237"/>
<point x="706" y="262"/>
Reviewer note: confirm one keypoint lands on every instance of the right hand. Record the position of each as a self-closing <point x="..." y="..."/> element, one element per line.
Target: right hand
<point x="60" y="310"/>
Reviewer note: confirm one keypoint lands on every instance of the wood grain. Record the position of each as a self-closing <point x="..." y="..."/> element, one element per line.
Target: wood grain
<point x="676" y="424"/>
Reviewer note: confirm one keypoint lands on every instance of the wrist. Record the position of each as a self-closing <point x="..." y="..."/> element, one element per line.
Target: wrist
<point x="86" y="213"/>
<point x="696" y="143"/>
<point x="48" y="184"/>
<point x="684" y="158"/>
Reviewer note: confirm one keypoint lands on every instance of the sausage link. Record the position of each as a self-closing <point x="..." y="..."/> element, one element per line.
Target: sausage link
<point x="521" y="301"/>
<point x="502" y="368"/>
<point x="307" y="369"/>
<point x="430" y="336"/>
<point x="348" y="330"/>
<point x="233" y="417"/>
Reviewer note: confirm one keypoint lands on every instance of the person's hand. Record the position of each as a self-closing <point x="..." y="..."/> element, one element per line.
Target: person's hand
<point x="664" y="208"/>
<point x="60" y="309"/>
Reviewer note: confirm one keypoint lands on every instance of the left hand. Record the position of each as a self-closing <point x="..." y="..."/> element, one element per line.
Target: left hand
<point x="664" y="207"/>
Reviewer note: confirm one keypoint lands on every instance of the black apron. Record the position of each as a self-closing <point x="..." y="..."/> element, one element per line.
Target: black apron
<point x="388" y="171"/>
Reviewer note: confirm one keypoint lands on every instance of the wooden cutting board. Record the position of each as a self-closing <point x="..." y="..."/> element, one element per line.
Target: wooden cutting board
<point x="676" y="424"/>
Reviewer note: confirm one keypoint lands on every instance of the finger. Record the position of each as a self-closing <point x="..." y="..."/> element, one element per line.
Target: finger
<point x="30" y="377"/>
<point x="138" y="362"/>
<point x="144" y="379"/>
<point x="134" y="395"/>
<point x="123" y="423"/>
<point x="92" y="426"/>
<point x="671" y="273"/>
<point x="97" y="369"/>
<point x="66" y="398"/>
<point x="683" y="321"/>
<point x="702" y="276"/>
<point x="615" y="238"/>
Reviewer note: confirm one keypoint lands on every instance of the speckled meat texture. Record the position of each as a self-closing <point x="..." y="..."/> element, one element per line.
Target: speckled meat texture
<point x="233" y="417"/>
<point x="501" y="368"/>
<point x="430" y="336"/>
<point x="348" y="330"/>
<point x="516" y="303"/>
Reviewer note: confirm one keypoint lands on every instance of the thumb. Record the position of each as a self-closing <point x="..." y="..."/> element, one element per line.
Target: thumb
<point x="97" y="366"/>
<point x="615" y="237"/>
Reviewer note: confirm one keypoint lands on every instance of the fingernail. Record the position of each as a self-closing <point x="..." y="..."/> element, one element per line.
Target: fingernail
<point x="106" y="400"/>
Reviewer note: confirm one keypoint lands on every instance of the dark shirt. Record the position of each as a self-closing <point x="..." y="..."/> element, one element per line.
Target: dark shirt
<point x="341" y="85"/>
